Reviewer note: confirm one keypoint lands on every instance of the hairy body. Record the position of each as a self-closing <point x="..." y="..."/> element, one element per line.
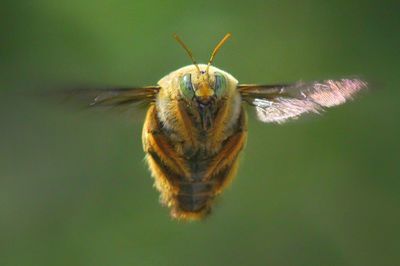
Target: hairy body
<point x="192" y="160"/>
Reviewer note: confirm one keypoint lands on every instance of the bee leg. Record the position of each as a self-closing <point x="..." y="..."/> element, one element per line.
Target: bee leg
<point x="218" y="128"/>
<point x="166" y="166"/>
<point x="155" y="142"/>
<point x="227" y="155"/>
<point x="231" y="147"/>
<point x="188" y="131"/>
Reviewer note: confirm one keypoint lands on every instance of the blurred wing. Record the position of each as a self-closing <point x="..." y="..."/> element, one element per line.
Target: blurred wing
<point x="114" y="98"/>
<point x="278" y="103"/>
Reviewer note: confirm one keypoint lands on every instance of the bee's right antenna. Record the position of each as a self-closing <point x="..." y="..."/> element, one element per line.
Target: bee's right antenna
<point x="187" y="50"/>
<point x="216" y="49"/>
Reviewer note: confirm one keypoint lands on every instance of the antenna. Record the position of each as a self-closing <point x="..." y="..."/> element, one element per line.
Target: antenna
<point x="187" y="50"/>
<point x="216" y="49"/>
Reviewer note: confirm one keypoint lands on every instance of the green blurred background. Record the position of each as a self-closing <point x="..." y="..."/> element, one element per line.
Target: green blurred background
<point x="74" y="189"/>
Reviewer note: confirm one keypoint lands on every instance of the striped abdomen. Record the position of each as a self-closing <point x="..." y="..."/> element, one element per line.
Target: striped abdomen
<point x="189" y="183"/>
<point x="194" y="196"/>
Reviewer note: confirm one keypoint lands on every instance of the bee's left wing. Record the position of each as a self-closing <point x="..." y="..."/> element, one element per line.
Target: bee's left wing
<point x="278" y="103"/>
<point x="113" y="97"/>
<point x="129" y="101"/>
<point x="118" y="99"/>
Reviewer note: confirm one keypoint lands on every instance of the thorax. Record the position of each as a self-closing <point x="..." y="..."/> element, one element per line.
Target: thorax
<point x="183" y="126"/>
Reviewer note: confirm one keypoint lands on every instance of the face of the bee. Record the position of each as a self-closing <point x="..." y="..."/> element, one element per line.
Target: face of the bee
<point x="202" y="89"/>
<point x="199" y="86"/>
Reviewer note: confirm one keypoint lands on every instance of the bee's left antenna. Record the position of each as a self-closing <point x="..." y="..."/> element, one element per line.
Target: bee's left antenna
<point x="187" y="50"/>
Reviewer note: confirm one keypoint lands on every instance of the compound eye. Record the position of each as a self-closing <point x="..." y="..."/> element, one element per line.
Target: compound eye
<point x="187" y="86"/>
<point x="220" y="84"/>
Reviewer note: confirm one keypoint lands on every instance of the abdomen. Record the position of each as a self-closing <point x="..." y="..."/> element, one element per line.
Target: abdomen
<point x="189" y="184"/>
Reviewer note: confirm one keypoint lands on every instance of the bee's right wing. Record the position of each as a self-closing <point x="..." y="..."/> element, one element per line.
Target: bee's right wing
<point x="280" y="103"/>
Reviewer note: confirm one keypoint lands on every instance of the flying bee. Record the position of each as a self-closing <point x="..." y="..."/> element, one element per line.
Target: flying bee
<point x="196" y="125"/>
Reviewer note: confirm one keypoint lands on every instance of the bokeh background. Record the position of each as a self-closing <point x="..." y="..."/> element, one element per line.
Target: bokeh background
<point x="74" y="189"/>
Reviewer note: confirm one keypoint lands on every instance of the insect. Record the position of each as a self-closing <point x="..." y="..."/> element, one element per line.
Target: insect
<point x="196" y="125"/>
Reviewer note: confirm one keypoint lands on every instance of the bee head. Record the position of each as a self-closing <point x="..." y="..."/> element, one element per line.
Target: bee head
<point x="201" y="85"/>
<point x="204" y="86"/>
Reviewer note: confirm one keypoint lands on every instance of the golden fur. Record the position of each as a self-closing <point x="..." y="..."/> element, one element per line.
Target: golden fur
<point x="180" y="153"/>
